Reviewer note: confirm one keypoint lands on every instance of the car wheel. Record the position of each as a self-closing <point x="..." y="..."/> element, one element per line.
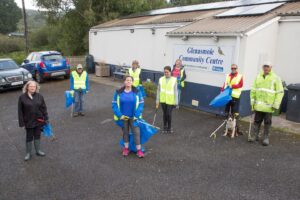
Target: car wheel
<point x="67" y="76"/>
<point x="38" y="77"/>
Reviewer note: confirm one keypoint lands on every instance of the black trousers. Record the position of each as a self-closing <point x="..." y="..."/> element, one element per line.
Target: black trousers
<point x="233" y="106"/>
<point x="33" y="134"/>
<point x="167" y="115"/>
<point x="262" y="117"/>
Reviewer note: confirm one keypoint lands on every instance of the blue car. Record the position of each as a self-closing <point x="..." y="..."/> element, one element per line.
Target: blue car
<point x="46" y="64"/>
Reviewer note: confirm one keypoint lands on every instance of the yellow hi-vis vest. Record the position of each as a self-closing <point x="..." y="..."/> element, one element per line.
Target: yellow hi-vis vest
<point x="236" y="93"/>
<point x="136" y="76"/>
<point x="167" y="93"/>
<point x="79" y="81"/>
<point x="266" y="93"/>
<point x="118" y="103"/>
<point x="181" y="75"/>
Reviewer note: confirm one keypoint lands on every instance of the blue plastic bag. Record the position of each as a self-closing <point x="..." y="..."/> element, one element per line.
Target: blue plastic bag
<point x="146" y="132"/>
<point x="142" y="91"/>
<point x="222" y="99"/>
<point x="69" y="96"/>
<point x="47" y="130"/>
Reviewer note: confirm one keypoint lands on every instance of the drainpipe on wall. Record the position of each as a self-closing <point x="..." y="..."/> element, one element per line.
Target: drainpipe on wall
<point x="237" y="49"/>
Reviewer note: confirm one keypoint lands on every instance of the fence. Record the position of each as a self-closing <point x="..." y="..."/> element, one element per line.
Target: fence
<point x="75" y="60"/>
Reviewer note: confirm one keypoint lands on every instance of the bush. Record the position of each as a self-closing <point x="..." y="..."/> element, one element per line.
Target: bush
<point x="150" y="89"/>
<point x="39" y="38"/>
<point x="18" y="57"/>
<point x="11" y="44"/>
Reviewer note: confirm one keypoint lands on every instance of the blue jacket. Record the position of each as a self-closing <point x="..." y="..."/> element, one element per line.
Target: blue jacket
<point x="86" y="83"/>
<point x="117" y="111"/>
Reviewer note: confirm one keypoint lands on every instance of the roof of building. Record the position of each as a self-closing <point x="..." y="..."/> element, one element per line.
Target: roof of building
<point x="205" y="21"/>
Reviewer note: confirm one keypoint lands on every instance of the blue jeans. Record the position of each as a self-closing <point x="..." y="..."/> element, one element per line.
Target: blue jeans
<point x="79" y="99"/>
<point x="179" y="94"/>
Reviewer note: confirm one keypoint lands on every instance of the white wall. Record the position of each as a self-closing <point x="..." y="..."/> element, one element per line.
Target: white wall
<point x="288" y="51"/>
<point x="121" y="47"/>
<point x="259" y="46"/>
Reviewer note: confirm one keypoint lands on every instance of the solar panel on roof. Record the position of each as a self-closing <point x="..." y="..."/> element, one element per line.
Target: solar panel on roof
<point x="207" y="6"/>
<point x="250" y="10"/>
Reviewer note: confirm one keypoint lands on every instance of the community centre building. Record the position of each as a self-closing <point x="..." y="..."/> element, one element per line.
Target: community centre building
<point x="208" y="38"/>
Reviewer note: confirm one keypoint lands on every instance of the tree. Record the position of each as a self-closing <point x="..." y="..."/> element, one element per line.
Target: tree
<point x="74" y="18"/>
<point x="10" y="14"/>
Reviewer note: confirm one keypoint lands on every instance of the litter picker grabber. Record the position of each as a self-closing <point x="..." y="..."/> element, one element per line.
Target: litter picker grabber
<point x="154" y="117"/>
<point x="213" y="134"/>
<point x="250" y="126"/>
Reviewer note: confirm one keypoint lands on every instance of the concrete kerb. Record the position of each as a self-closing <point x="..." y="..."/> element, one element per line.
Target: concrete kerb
<point x="287" y="127"/>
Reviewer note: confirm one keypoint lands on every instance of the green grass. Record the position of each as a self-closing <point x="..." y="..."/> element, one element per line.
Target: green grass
<point x="17" y="56"/>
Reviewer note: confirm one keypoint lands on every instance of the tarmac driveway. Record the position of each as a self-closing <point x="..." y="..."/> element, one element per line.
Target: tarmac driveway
<point x="86" y="163"/>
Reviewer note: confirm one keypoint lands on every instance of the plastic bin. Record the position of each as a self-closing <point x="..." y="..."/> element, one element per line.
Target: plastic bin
<point x="293" y="107"/>
<point x="90" y="64"/>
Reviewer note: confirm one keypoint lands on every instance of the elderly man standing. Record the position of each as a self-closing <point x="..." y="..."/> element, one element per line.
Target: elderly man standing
<point x="80" y="85"/>
<point x="266" y="97"/>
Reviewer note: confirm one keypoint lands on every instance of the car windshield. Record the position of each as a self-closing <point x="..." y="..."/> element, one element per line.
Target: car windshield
<point x="52" y="57"/>
<point x="8" y="64"/>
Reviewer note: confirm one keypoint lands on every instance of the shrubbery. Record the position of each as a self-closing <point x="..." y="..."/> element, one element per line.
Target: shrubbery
<point x="10" y="44"/>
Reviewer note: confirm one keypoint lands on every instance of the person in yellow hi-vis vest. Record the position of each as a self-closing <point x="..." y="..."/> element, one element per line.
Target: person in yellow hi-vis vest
<point x="135" y="72"/>
<point x="167" y="97"/>
<point x="79" y="83"/>
<point x="266" y="96"/>
<point x="234" y="80"/>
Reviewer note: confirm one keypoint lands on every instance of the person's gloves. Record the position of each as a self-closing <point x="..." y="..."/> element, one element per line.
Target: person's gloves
<point x="157" y="105"/>
<point x="123" y="117"/>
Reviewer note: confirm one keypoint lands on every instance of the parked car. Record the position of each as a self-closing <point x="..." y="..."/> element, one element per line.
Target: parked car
<point x="46" y="64"/>
<point x="11" y="75"/>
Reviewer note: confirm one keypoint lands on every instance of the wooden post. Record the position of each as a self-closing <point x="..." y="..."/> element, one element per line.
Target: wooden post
<point x="25" y="28"/>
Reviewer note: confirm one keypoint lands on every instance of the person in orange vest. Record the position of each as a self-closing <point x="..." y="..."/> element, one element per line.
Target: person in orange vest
<point x="234" y="80"/>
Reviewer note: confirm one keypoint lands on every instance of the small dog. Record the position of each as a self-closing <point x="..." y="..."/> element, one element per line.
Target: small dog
<point x="231" y="126"/>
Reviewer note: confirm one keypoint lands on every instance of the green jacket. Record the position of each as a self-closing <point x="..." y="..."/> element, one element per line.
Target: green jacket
<point x="266" y="93"/>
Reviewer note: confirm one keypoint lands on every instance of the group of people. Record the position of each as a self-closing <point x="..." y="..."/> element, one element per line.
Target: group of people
<point x="128" y="102"/>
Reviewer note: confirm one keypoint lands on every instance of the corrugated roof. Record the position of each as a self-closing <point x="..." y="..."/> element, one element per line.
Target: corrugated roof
<point x="160" y="19"/>
<point x="233" y="24"/>
<point x="203" y="22"/>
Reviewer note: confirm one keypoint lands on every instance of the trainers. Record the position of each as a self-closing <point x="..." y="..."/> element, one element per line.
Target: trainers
<point x="75" y="115"/>
<point x="81" y="114"/>
<point x="140" y="154"/>
<point x="125" y="152"/>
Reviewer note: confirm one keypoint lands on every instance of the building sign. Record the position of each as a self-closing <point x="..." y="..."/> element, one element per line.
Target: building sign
<point x="208" y="58"/>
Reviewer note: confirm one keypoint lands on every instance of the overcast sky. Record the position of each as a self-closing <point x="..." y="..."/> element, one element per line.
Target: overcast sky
<point x="29" y="4"/>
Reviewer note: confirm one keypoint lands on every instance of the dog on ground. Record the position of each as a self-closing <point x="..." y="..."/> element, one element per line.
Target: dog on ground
<point x="231" y="127"/>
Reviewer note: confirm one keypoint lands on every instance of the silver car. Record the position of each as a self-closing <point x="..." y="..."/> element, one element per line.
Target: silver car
<point x="11" y="75"/>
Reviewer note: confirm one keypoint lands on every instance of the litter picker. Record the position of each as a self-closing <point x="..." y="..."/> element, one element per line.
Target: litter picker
<point x="213" y="134"/>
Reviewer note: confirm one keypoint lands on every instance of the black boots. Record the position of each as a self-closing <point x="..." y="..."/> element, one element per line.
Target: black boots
<point x="38" y="151"/>
<point x="256" y="128"/>
<point x="28" y="151"/>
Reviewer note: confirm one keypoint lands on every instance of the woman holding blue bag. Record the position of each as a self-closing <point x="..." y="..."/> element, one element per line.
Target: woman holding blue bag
<point x="128" y="105"/>
<point x="33" y="115"/>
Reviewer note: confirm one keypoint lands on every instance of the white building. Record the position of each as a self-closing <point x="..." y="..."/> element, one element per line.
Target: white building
<point x="208" y="38"/>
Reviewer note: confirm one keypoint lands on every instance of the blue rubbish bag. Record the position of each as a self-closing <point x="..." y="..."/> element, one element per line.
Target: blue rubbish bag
<point x="222" y="99"/>
<point x="146" y="132"/>
<point x="47" y="130"/>
<point x="69" y="96"/>
<point x="142" y="90"/>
